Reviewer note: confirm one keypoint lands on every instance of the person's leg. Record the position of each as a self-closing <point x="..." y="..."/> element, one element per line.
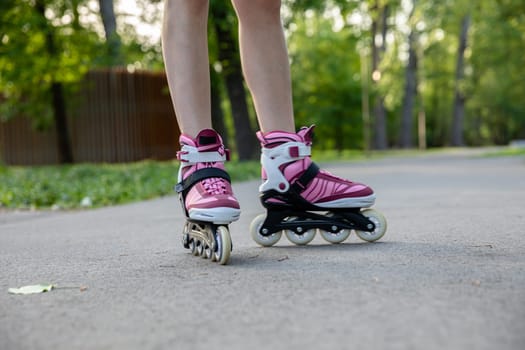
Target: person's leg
<point x="265" y="62"/>
<point x="185" y="49"/>
<point x="287" y="168"/>
<point x="203" y="183"/>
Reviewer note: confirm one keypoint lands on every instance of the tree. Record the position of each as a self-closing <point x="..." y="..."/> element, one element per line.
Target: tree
<point x="495" y="65"/>
<point x="410" y="90"/>
<point x="65" y="152"/>
<point x="113" y="43"/>
<point x="325" y="79"/>
<point x="228" y="56"/>
<point x="379" y="14"/>
<point x="217" y="114"/>
<point x="44" y="51"/>
<point x="458" y="114"/>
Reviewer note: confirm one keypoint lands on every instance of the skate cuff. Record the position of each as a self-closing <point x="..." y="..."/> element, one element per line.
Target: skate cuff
<point x="199" y="175"/>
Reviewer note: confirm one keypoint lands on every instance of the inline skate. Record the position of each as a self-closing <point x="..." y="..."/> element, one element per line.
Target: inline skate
<point x="302" y="200"/>
<point x="206" y="196"/>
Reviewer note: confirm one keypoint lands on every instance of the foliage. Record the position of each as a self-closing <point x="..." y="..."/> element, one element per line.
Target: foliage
<point x="28" y="65"/>
<point x="495" y="112"/>
<point x="73" y="186"/>
<point x="326" y="82"/>
<point x="140" y="49"/>
<point x="328" y="41"/>
<point x="498" y="67"/>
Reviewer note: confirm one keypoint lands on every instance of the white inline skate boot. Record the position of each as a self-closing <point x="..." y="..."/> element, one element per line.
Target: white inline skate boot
<point x="302" y="200"/>
<point x="206" y="196"/>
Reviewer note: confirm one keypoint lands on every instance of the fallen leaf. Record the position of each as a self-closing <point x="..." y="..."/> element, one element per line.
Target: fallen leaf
<point x="283" y="258"/>
<point x="38" y="288"/>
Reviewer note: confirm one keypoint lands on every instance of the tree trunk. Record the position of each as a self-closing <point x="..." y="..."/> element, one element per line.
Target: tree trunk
<point x="229" y="57"/>
<point x="65" y="154"/>
<point x="421" y="114"/>
<point x="244" y="134"/>
<point x="76" y="17"/>
<point x="107" y="13"/>
<point x="409" y="98"/>
<point x="365" y="101"/>
<point x="380" y="124"/>
<point x="217" y="115"/>
<point x="379" y="111"/>
<point x="458" y="113"/>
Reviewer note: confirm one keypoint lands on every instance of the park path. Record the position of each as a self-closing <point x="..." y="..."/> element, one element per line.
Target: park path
<point x="449" y="273"/>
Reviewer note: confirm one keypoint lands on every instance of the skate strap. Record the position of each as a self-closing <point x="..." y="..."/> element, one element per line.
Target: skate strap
<point x="199" y="175"/>
<point x="191" y="155"/>
<point x="300" y="184"/>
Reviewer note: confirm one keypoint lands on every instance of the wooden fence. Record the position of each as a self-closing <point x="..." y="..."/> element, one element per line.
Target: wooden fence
<point x="117" y="117"/>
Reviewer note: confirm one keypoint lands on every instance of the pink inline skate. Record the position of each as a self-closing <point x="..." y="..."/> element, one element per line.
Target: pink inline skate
<point x="302" y="200"/>
<point x="206" y="196"/>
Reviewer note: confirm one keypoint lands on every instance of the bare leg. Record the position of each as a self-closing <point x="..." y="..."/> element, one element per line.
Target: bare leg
<point x="185" y="49"/>
<point x="265" y="63"/>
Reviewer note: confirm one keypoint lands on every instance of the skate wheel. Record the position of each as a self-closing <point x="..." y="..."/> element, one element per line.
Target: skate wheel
<point x="213" y="249"/>
<point x="265" y="241"/>
<point x="203" y="251"/>
<point x="302" y="238"/>
<point x="186" y="240"/>
<point x="208" y="252"/>
<point x="192" y="246"/>
<point x="199" y="251"/>
<point x="223" y="245"/>
<point x="336" y="237"/>
<point x="379" y="220"/>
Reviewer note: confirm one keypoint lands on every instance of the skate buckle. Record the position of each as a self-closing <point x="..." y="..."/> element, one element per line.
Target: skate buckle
<point x="301" y="186"/>
<point x="299" y="151"/>
<point x="192" y="155"/>
<point x="179" y="187"/>
<point x="294" y="151"/>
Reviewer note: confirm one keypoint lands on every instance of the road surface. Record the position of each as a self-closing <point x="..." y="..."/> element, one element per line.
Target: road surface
<point x="448" y="274"/>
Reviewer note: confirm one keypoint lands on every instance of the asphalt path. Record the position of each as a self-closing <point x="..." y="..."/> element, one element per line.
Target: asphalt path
<point x="449" y="273"/>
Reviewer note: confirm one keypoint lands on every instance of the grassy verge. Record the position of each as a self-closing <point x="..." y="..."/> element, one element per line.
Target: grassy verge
<point x="506" y="152"/>
<point x="95" y="185"/>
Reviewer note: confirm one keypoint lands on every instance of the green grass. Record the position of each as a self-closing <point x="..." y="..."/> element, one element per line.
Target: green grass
<point x="506" y="152"/>
<point x="65" y="187"/>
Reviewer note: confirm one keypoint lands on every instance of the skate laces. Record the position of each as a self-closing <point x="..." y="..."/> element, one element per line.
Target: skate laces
<point x="215" y="186"/>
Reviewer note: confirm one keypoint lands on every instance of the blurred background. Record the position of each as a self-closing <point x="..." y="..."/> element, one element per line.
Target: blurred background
<point x="83" y="80"/>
